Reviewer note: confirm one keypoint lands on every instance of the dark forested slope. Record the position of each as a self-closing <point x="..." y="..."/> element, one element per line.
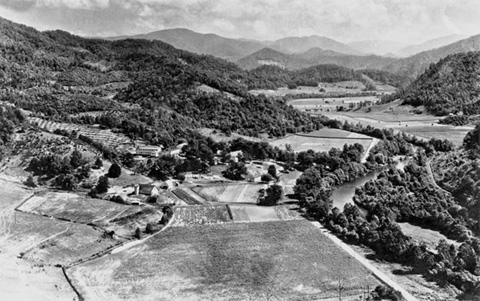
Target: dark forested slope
<point x="448" y="86"/>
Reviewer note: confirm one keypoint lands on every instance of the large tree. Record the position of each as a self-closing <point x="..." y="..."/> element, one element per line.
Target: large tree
<point x="114" y="171"/>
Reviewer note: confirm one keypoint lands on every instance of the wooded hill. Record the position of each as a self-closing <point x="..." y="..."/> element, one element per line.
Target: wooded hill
<point x="149" y="88"/>
<point x="448" y="86"/>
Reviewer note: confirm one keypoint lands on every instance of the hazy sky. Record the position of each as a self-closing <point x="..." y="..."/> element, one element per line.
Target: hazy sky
<point x="409" y="21"/>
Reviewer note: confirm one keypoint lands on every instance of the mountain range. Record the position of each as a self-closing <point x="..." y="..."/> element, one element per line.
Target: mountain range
<point x="378" y="47"/>
<point x="429" y="45"/>
<point x="302" y="52"/>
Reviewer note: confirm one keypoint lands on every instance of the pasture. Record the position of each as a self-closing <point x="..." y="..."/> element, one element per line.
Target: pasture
<point x="330" y="103"/>
<point x="338" y="87"/>
<point x="230" y="193"/>
<point x="421" y="125"/>
<point x="319" y="143"/>
<point x="123" y="219"/>
<point x="286" y="260"/>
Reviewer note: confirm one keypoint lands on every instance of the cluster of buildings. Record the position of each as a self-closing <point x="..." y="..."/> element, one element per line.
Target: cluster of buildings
<point x="155" y="151"/>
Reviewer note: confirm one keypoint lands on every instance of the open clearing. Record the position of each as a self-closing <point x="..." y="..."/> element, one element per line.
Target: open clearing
<point x="401" y="118"/>
<point x="319" y="142"/>
<point x="338" y="87"/>
<point x="287" y="260"/>
<point x="330" y="103"/>
<point x="230" y="193"/>
<point x="425" y="235"/>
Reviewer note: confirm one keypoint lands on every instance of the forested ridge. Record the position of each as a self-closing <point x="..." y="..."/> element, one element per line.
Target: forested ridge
<point x="448" y="86"/>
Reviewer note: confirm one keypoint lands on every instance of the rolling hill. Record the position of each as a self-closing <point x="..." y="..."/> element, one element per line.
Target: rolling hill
<point x="429" y="45"/>
<point x="147" y="89"/>
<point x="302" y="44"/>
<point x="312" y="57"/>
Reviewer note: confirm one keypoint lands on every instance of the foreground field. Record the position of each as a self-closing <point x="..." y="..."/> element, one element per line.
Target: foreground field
<point x="123" y="219"/>
<point x="19" y="279"/>
<point x="288" y="260"/>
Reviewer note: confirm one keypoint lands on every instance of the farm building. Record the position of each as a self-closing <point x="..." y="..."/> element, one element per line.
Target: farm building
<point x="146" y="189"/>
<point x="167" y="184"/>
<point x="235" y="155"/>
<point x="175" y="153"/>
<point x="147" y="150"/>
<point x="254" y="173"/>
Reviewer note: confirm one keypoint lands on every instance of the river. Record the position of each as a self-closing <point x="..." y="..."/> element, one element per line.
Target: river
<point x="344" y="193"/>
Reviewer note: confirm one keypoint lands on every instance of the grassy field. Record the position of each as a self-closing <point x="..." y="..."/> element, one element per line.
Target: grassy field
<point x="302" y="143"/>
<point x="420" y="125"/>
<point x="123" y="219"/>
<point x="339" y="87"/>
<point x="76" y="242"/>
<point x="230" y="193"/>
<point x="328" y="102"/>
<point x="72" y="207"/>
<point x="425" y="235"/>
<point x="247" y="261"/>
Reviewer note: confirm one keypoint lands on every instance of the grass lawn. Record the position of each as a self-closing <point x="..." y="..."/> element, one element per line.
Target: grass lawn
<point x="428" y="236"/>
<point x="286" y="260"/>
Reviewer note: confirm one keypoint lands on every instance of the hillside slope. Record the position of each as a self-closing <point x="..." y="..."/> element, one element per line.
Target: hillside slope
<point x="312" y="57"/>
<point x="449" y="86"/>
<point x="147" y="89"/>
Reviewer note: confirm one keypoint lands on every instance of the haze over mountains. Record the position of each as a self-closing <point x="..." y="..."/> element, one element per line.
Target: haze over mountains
<point x="301" y="52"/>
<point x="378" y="47"/>
<point x="430" y="44"/>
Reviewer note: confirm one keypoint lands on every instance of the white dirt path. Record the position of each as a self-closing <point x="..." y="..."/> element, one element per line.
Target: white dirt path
<point x="380" y="275"/>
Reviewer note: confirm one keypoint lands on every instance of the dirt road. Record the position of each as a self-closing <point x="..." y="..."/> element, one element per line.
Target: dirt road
<point x="380" y="275"/>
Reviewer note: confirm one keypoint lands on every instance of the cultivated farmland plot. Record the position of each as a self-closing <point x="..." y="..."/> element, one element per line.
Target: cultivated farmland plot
<point x="201" y="215"/>
<point x="286" y="260"/>
<point x="106" y="137"/>
<point x="231" y="193"/>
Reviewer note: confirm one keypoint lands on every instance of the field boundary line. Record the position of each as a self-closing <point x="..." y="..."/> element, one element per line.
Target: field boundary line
<point x="80" y="296"/>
